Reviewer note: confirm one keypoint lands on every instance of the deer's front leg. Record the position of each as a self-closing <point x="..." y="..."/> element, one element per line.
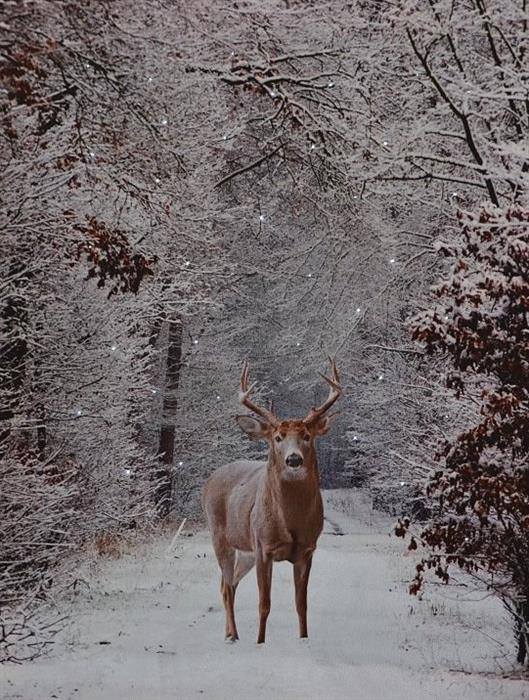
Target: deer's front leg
<point x="264" y="582"/>
<point x="301" y="582"/>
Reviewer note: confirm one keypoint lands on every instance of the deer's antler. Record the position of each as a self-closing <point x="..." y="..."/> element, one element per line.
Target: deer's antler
<point x="334" y="393"/>
<point x="244" y="394"/>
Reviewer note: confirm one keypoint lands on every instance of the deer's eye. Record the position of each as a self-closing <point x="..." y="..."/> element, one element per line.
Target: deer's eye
<point x="278" y="438"/>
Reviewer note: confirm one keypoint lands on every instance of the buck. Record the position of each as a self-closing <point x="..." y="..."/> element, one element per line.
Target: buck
<point x="261" y="512"/>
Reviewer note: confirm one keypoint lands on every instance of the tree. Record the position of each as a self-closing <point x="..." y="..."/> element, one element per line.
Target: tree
<point x="480" y="489"/>
<point x="95" y="256"/>
<point x="468" y="96"/>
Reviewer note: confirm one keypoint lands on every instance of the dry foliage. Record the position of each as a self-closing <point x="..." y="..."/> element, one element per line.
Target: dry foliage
<point x="480" y="492"/>
<point x="109" y="544"/>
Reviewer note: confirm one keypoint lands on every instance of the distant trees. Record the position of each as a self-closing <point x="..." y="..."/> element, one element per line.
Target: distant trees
<point x="325" y="250"/>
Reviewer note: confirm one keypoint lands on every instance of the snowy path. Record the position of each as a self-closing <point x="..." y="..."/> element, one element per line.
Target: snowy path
<point x="162" y="623"/>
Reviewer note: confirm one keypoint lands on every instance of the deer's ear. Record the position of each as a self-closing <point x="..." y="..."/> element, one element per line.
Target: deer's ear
<point x="324" y="424"/>
<point x="255" y="428"/>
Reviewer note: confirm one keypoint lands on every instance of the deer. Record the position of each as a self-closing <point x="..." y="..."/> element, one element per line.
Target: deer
<point x="259" y="513"/>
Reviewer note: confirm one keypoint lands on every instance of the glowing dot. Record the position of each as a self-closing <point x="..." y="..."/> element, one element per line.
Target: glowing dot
<point x="261" y="217"/>
<point x="218" y="398"/>
<point x="385" y="143"/>
<point x="312" y="147"/>
<point x="380" y="377"/>
<point x="127" y="472"/>
<point x="232" y="53"/>
<point x="225" y="138"/>
<point x="149" y="79"/>
<point x="154" y="391"/>
<point x="180" y="464"/>
<point x="355" y="438"/>
<point x="358" y="310"/>
<point x="87" y="65"/>
<point x="113" y="348"/>
<point x="78" y="412"/>
<point x="164" y="122"/>
<point x="310" y="274"/>
<point x="195" y="342"/>
<point x="273" y="93"/>
<point x="330" y="84"/>
<point x="454" y="194"/>
<point x="157" y="180"/>
<point x="392" y="260"/>
<point x="187" y="263"/>
<point x="467" y="539"/>
<point x="92" y="154"/>
<point x="403" y="483"/>
<point x="298" y="344"/>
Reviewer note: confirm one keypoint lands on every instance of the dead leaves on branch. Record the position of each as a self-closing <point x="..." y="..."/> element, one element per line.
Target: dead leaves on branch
<point x="111" y="259"/>
<point x="481" y="491"/>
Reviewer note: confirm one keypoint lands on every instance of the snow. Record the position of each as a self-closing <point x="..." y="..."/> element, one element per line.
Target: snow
<point x="151" y="626"/>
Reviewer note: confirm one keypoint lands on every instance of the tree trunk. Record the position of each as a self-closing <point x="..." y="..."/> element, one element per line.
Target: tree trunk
<point x="39" y="391"/>
<point x="40" y="415"/>
<point x="522" y="628"/>
<point x="168" y="426"/>
<point x="13" y="354"/>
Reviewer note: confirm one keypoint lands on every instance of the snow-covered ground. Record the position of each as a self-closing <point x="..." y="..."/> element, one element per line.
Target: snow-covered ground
<point x="151" y="628"/>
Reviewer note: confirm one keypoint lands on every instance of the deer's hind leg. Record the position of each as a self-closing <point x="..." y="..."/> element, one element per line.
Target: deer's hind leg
<point x="235" y="567"/>
<point x="244" y="562"/>
<point x="228" y="595"/>
<point x="228" y="584"/>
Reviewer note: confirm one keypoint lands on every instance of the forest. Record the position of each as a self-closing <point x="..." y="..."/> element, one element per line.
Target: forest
<point x="190" y="185"/>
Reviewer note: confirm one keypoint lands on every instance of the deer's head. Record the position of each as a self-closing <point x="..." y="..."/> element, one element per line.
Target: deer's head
<point x="291" y="441"/>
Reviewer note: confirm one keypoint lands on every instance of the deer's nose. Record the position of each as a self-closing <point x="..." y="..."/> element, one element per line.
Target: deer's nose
<point x="294" y="460"/>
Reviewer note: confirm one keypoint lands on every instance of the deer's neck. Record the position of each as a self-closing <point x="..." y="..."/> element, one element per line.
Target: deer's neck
<point x="290" y="495"/>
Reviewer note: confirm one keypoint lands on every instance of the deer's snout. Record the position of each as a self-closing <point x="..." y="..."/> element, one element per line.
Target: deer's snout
<point x="294" y="460"/>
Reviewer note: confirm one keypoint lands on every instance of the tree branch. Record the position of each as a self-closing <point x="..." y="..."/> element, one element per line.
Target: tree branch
<point x="248" y="167"/>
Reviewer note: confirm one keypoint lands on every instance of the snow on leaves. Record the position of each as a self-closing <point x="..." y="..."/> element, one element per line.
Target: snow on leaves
<point x="482" y="320"/>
